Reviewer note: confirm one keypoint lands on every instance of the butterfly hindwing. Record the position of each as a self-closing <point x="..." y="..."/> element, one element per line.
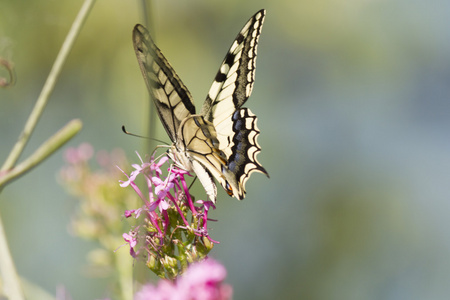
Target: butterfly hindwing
<point x="243" y="162"/>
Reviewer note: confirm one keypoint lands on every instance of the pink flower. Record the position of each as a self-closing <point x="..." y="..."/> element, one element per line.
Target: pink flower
<point x="129" y="213"/>
<point x="131" y="240"/>
<point x="202" y="281"/>
<point x="81" y="154"/>
<point x="167" y="207"/>
<point x="164" y="291"/>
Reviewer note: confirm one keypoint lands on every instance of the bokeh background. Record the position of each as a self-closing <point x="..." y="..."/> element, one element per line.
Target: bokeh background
<point x="353" y="100"/>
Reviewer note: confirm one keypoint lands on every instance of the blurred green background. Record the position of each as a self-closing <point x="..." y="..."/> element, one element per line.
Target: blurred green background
<point x="353" y="100"/>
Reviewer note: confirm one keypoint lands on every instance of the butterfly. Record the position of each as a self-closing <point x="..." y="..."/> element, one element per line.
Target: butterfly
<point x="220" y="141"/>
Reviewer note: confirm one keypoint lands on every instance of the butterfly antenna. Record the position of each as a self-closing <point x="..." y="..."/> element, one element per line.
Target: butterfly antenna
<point x="140" y="136"/>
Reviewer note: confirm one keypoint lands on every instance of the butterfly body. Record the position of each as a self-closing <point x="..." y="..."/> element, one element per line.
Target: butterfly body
<point x="220" y="142"/>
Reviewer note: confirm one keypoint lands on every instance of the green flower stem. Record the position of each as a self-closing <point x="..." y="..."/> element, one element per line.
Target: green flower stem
<point x="11" y="283"/>
<point x="147" y="12"/>
<point x="48" y="86"/>
<point x="8" y="272"/>
<point x="45" y="150"/>
<point x="125" y="269"/>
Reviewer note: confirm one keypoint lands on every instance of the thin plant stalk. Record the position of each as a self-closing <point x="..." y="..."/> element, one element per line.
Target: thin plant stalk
<point x="11" y="283"/>
<point x="8" y="271"/>
<point x="49" y="147"/>
<point x="147" y="11"/>
<point x="48" y="86"/>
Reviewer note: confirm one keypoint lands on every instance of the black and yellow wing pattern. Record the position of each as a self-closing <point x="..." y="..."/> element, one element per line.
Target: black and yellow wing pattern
<point x="221" y="141"/>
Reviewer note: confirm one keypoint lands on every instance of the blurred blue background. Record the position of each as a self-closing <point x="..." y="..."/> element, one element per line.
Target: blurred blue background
<point x="353" y="100"/>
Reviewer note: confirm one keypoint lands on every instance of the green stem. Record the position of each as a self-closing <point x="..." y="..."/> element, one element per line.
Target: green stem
<point x="147" y="12"/>
<point x="12" y="288"/>
<point x="55" y="142"/>
<point x="48" y="86"/>
<point x="125" y="270"/>
<point x="8" y="272"/>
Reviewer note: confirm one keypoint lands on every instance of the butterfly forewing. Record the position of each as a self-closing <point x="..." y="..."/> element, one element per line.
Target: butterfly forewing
<point x="172" y="99"/>
<point x="233" y="83"/>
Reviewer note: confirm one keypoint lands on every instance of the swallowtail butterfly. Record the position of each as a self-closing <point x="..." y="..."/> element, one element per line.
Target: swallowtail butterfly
<point x="219" y="142"/>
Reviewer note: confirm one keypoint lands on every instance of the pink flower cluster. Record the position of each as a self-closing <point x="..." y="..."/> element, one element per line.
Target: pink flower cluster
<point x="202" y="281"/>
<point x="166" y="238"/>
